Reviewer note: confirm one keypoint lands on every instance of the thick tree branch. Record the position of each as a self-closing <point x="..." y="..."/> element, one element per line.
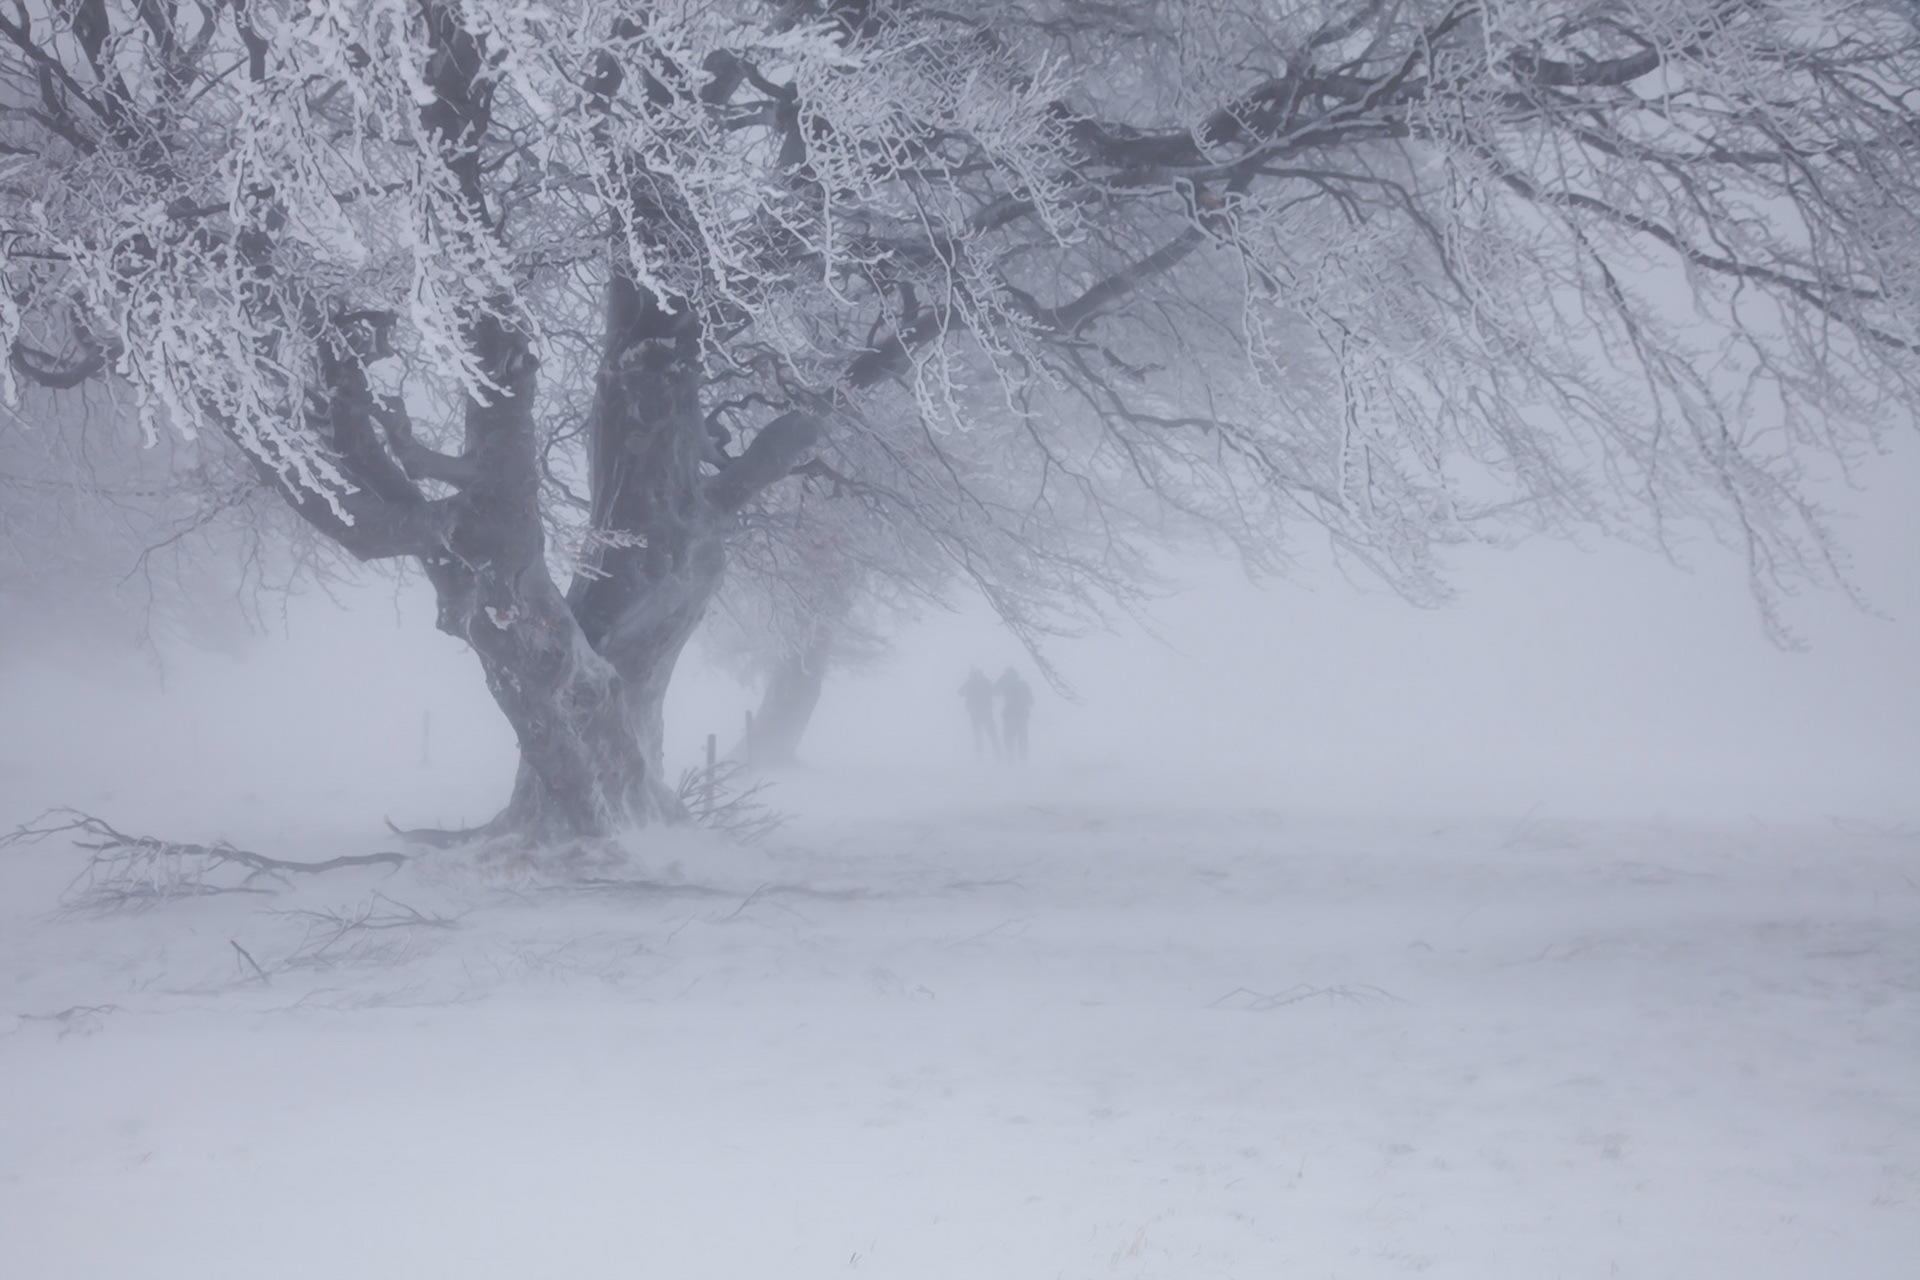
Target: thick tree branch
<point x="45" y="370"/>
<point x="366" y="527"/>
<point x="772" y="456"/>
<point x="416" y="459"/>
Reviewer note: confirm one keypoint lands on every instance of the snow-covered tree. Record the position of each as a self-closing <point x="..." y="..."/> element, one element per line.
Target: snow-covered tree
<point x="1033" y="281"/>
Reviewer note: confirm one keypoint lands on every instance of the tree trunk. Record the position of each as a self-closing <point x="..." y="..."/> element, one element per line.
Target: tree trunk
<point x="787" y="706"/>
<point x="584" y="680"/>
<point x="582" y="770"/>
<point x="588" y="769"/>
<point x="588" y="723"/>
<point x="583" y="677"/>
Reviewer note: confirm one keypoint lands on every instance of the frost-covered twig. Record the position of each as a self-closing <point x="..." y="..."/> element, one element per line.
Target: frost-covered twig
<point x="328" y="927"/>
<point x="253" y="964"/>
<point x="724" y="797"/>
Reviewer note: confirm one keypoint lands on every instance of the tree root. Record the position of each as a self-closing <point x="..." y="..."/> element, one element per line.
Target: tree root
<point x="722" y="797"/>
<point x="445" y="837"/>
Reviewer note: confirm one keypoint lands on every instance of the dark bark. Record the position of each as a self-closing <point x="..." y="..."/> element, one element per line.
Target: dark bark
<point x="583" y="772"/>
<point x="586" y="767"/>
<point x="643" y="591"/>
<point x="583" y="676"/>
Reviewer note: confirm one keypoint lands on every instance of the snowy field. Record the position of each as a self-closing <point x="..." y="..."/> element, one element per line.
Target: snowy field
<point x="1035" y="1034"/>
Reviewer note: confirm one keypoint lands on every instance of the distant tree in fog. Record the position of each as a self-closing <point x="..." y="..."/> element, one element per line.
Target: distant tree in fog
<point x="590" y="288"/>
<point x="813" y="587"/>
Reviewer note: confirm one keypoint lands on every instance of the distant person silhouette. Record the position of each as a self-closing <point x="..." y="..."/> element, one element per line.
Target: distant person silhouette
<point x="977" y="693"/>
<point x="1016" y="704"/>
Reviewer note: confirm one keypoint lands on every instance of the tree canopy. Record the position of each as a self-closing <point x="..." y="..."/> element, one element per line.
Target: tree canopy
<point x="600" y="286"/>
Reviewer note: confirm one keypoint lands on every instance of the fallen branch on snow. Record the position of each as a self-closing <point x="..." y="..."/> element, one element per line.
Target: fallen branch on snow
<point x="79" y="1019"/>
<point x="135" y="872"/>
<point x="251" y="962"/>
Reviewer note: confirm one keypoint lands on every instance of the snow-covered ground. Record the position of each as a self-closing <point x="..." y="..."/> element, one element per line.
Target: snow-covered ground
<point x="1038" y="1031"/>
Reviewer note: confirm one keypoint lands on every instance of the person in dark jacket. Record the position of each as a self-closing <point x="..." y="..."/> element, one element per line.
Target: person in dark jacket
<point x="1016" y="704"/>
<point x="977" y="693"/>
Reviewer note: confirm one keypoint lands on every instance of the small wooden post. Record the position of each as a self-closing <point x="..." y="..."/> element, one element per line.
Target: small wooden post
<point x="713" y="756"/>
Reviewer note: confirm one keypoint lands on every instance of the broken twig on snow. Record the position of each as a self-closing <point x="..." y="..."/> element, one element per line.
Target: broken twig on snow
<point x="721" y="797"/>
<point x="328" y="927"/>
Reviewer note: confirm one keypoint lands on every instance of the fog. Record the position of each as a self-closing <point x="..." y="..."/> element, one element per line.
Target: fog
<point x="1597" y="681"/>
<point x="1566" y="930"/>
<point x="1364" y="558"/>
